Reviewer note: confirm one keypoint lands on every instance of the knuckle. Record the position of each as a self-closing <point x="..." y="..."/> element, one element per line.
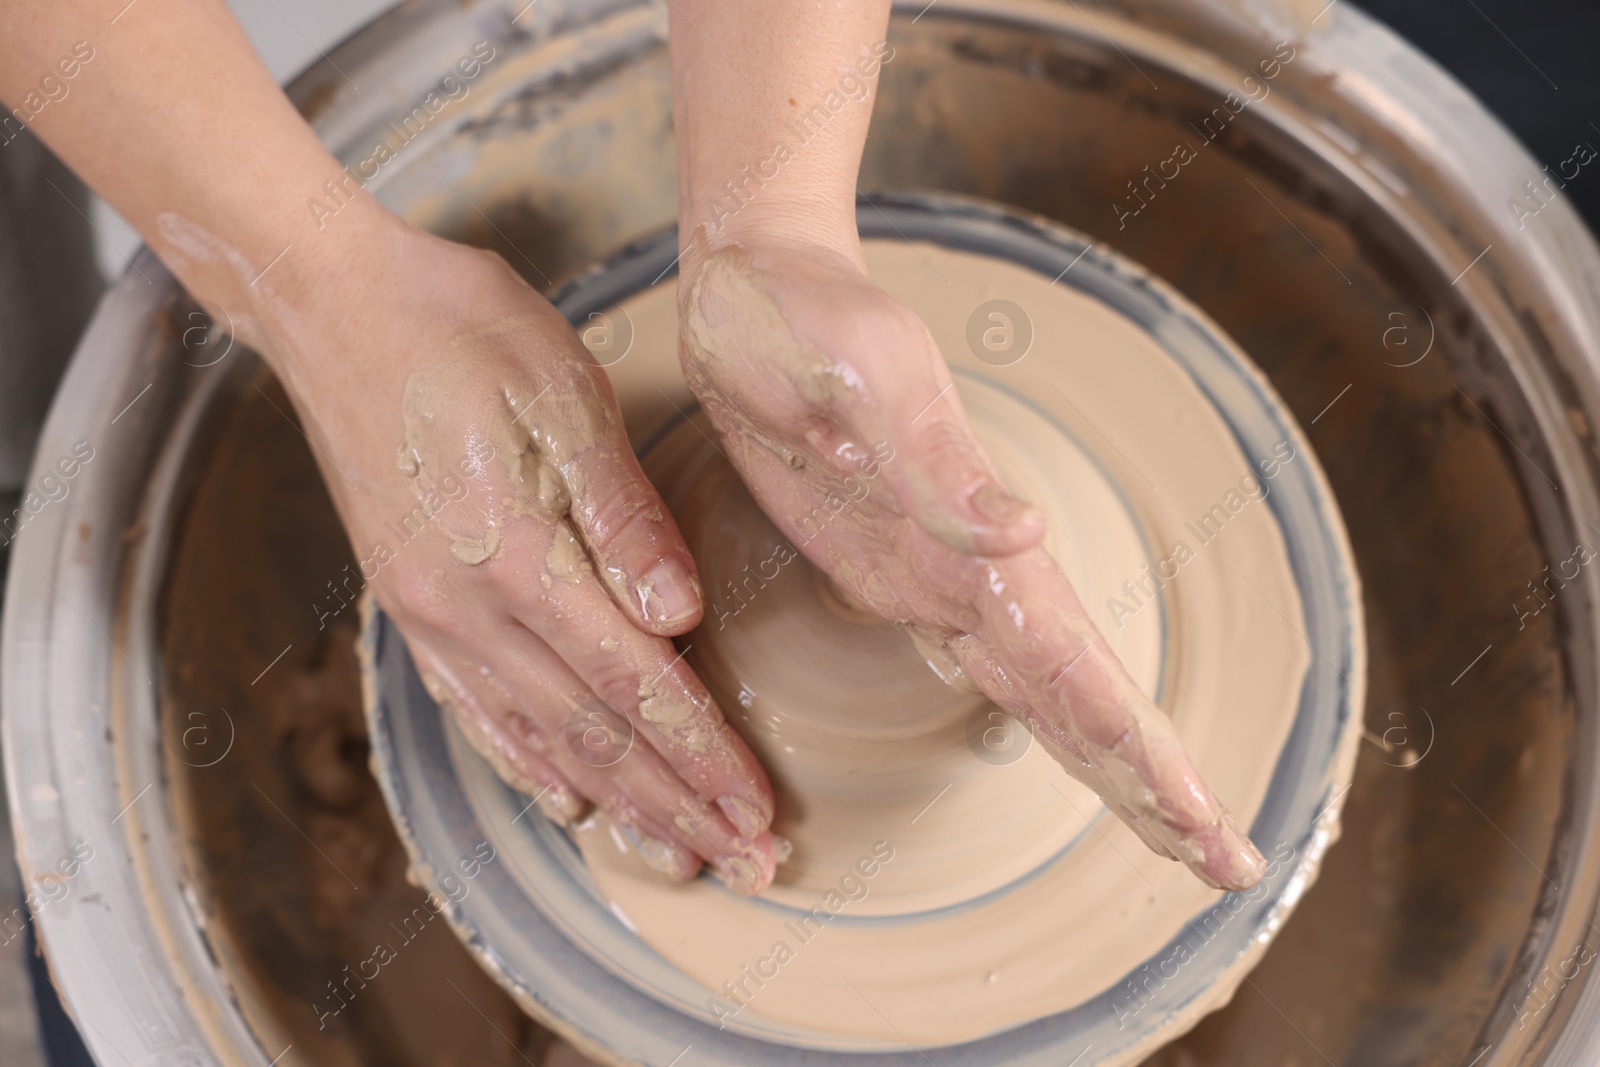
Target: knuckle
<point x="624" y="517"/>
<point x="901" y="324"/>
<point x="622" y="808"/>
<point x="416" y="598"/>
<point x="526" y="731"/>
<point x="947" y="444"/>
<point x="943" y="437"/>
<point x="617" y="686"/>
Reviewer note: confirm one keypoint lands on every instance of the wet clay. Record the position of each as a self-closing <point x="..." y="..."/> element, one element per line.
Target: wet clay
<point x="535" y="448"/>
<point x="1013" y="893"/>
<point x="479" y="409"/>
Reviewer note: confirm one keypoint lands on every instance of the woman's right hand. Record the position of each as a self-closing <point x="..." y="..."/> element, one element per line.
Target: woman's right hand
<point x="416" y="366"/>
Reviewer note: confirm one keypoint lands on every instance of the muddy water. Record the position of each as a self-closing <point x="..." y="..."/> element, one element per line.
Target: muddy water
<point x="299" y="873"/>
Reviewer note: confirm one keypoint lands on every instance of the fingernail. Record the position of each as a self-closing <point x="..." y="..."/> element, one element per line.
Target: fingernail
<point x="994" y="503"/>
<point x="740" y="875"/>
<point x="745" y="816"/>
<point x="560" y="805"/>
<point x="669" y="594"/>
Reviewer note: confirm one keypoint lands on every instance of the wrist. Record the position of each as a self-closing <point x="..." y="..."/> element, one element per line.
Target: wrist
<point x="827" y="225"/>
<point x="291" y="274"/>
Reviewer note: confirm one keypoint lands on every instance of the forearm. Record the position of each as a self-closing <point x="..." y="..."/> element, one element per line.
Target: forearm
<point x="772" y="103"/>
<point x="171" y="117"/>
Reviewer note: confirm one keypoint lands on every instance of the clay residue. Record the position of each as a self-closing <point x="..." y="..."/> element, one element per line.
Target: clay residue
<point x="567" y="561"/>
<point x="475" y="402"/>
<point x="545" y="491"/>
<point x="735" y="337"/>
<point x="730" y="317"/>
<point x="474" y="550"/>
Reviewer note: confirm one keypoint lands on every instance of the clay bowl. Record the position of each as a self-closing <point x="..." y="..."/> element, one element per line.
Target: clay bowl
<point x="574" y="944"/>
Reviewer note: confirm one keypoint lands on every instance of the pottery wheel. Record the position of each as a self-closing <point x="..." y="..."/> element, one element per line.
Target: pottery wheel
<point x="948" y="881"/>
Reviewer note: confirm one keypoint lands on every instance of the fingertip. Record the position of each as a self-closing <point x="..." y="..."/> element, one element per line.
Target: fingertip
<point x="1002" y="523"/>
<point x="635" y="546"/>
<point x="666" y="857"/>
<point x="561" y="805"/>
<point x="748" y="874"/>
<point x="688" y="872"/>
<point x="1241" y="865"/>
<point x="1223" y="858"/>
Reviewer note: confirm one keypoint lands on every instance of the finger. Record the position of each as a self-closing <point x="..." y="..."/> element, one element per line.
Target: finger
<point x="642" y="676"/>
<point x="632" y="782"/>
<point x="641" y="794"/>
<point x="1083" y="700"/>
<point x="631" y="537"/>
<point x="979" y="661"/>
<point x="654" y="845"/>
<point x="946" y="480"/>
<point x="635" y="544"/>
<point x="509" y="741"/>
<point x="578" y="441"/>
<point x="649" y="796"/>
<point x="666" y="823"/>
<point x="507" y="749"/>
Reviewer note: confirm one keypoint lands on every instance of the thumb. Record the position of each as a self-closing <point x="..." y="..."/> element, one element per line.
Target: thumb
<point x="945" y="479"/>
<point x="631" y="537"/>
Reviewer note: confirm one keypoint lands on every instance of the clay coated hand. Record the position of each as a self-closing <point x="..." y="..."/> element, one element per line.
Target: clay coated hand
<point x="811" y="375"/>
<point x="479" y="462"/>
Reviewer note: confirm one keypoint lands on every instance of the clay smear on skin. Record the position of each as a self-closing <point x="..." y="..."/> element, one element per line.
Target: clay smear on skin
<point x="525" y="425"/>
<point x="534" y="432"/>
<point x="538" y="429"/>
<point x="727" y="281"/>
<point x="730" y="312"/>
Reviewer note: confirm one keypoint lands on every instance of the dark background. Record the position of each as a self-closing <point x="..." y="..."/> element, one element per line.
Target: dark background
<point x="1533" y="62"/>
